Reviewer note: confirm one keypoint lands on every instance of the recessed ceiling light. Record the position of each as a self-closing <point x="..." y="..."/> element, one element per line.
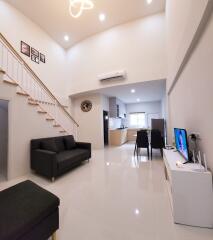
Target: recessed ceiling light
<point x="138" y="100"/>
<point x="137" y="212"/>
<point x="102" y="17"/>
<point x="66" y="38"/>
<point x="149" y="1"/>
<point x="132" y="90"/>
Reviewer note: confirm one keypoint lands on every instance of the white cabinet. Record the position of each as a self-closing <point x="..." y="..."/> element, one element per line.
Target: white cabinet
<point x="190" y="191"/>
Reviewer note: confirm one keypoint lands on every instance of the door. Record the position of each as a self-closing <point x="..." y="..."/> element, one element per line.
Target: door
<point x="106" y="127"/>
<point x="3" y="138"/>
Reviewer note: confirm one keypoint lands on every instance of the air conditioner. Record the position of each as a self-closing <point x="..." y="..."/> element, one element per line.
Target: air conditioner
<point x="112" y="76"/>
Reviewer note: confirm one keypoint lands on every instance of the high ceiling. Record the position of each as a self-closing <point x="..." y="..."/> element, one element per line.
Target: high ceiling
<point x="144" y="92"/>
<point x="53" y="16"/>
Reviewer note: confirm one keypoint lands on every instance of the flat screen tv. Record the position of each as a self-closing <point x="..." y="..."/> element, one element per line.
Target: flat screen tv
<point x="181" y="142"/>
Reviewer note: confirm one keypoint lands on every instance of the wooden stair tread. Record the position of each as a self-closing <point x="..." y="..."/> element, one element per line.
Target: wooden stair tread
<point x="2" y="71"/>
<point x="56" y="125"/>
<point x="49" y="119"/>
<point x="23" y="94"/>
<point x="42" y="112"/>
<point x="62" y="131"/>
<point x="33" y="103"/>
<point x="11" y="83"/>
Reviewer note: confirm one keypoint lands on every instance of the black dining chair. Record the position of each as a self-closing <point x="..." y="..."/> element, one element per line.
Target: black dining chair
<point x="142" y="141"/>
<point x="157" y="141"/>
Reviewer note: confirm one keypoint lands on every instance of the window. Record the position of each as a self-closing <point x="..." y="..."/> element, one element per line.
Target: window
<point x="137" y="120"/>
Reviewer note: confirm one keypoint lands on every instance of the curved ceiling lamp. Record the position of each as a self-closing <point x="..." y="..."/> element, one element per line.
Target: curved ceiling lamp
<point x="78" y="6"/>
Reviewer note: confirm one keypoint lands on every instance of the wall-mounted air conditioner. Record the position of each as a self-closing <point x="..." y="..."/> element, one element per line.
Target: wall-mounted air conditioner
<point x="112" y="76"/>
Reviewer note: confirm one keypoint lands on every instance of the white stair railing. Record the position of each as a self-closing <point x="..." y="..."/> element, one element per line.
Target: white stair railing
<point x="18" y="71"/>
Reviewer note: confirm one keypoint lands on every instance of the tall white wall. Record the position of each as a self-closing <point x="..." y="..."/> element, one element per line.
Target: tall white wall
<point x="182" y="24"/>
<point x="16" y="28"/>
<point x="191" y="97"/>
<point x="138" y="47"/>
<point x="24" y="124"/>
<point x="90" y="123"/>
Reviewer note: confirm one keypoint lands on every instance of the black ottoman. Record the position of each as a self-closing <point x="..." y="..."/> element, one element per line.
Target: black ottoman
<point x="28" y="212"/>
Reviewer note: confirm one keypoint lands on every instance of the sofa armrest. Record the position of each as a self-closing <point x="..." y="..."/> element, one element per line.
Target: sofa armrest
<point x="84" y="145"/>
<point x="44" y="162"/>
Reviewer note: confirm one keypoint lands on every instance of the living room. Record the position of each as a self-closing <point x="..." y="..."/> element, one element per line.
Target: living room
<point x="55" y="57"/>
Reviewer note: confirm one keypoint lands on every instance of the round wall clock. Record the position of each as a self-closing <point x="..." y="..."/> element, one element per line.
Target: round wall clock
<point x="86" y="106"/>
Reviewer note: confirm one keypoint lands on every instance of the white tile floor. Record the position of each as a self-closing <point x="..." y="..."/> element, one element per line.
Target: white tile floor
<point x="116" y="197"/>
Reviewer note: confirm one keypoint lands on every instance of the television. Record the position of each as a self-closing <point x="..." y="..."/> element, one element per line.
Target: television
<point x="182" y="143"/>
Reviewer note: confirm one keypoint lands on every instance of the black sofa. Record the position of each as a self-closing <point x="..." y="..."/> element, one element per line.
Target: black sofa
<point x="51" y="157"/>
<point x="28" y="212"/>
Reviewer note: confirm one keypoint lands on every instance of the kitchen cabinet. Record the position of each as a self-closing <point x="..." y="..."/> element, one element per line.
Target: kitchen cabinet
<point x="118" y="137"/>
<point x="117" y="109"/>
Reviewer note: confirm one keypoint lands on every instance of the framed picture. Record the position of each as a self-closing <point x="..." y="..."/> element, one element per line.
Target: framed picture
<point x="25" y="49"/>
<point x="34" y="52"/>
<point x="35" y="58"/>
<point x="42" y="58"/>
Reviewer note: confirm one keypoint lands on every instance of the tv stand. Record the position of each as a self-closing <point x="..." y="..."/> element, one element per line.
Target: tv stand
<point x="190" y="191"/>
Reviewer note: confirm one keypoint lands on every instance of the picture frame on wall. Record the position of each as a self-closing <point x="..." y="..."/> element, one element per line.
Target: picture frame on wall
<point x="35" y="59"/>
<point x="42" y="58"/>
<point x="34" y="52"/>
<point x="25" y="48"/>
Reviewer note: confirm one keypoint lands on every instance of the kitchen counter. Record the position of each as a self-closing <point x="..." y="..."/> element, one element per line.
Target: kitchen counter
<point x="118" y="137"/>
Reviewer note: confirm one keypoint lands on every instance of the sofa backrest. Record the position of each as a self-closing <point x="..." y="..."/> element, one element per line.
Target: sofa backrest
<point x="56" y="144"/>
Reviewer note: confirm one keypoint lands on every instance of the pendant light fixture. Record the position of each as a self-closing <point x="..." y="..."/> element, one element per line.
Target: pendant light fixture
<point x="77" y="7"/>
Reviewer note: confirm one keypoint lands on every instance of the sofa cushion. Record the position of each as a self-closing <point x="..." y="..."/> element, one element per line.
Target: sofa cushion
<point x="68" y="158"/>
<point x="69" y="142"/>
<point x="59" y="141"/>
<point x="22" y="207"/>
<point x="49" y="144"/>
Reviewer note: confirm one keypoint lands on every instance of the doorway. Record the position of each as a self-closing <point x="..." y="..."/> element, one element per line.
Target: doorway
<point x="3" y="139"/>
<point x="106" y="127"/>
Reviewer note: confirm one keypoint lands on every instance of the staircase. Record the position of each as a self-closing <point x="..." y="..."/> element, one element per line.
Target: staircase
<point x="19" y="75"/>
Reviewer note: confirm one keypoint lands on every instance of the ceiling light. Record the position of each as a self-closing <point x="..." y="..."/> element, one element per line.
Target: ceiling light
<point x="66" y="38"/>
<point x="77" y="7"/>
<point x="132" y="90"/>
<point x="149" y="1"/>
<point x="102" y="17"/>
<point x="137" y="212"/>
<point x="138" y="100"/>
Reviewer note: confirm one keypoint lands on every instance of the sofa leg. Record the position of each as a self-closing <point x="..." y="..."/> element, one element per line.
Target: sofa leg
<point x="54" y="236"/>
<point x="53" y="179"/>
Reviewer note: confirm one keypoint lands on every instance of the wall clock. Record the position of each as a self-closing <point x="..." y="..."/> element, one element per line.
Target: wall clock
<point x="86" y="106"/>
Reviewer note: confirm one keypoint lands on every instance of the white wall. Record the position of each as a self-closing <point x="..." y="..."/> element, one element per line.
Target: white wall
<point x="191" y="98"/>
<point x="90" y="123"/>
<point x="105" y="103"/>
<point x="24" y="124"/>
<point x="3" y="137"/>
<point x="16" y="27"/>
<point x="147" y="107"/>
<point x="182" y="24"/>
<point x="138" y="47"/>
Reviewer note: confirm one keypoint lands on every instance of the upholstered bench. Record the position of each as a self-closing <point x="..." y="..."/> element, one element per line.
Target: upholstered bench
<point x="28" y="212"/>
